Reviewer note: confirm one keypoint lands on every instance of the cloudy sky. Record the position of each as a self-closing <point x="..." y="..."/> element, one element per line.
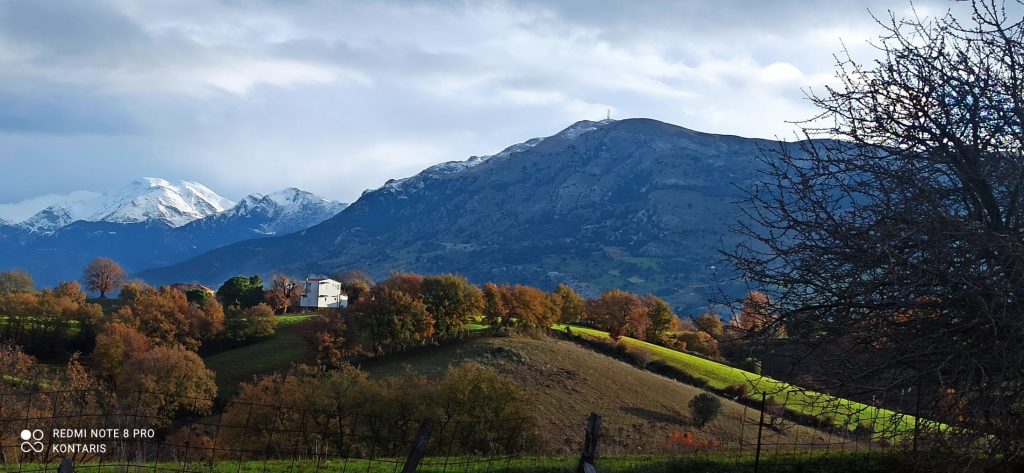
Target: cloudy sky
<point x="338" y="96"/>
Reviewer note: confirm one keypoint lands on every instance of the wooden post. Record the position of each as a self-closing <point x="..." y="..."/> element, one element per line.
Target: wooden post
<point x="917" y="411"/>
<point x="66" y="466"/>
<point x="589" y="455"/>
<point x="419" y="446"/>
<point x="760" y="429"/>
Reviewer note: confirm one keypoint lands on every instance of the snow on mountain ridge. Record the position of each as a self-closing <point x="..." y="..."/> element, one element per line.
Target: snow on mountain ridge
<point x="452" y="167"/>
<point x="141" y="200"/>
<point x="283" y="211"/>
<point x="157" y="199"/>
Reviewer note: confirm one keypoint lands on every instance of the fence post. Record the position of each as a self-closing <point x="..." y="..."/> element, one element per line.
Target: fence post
<point x="419" y="446"/>
<point x="66" y="466"/>
<point x="917" y="412"/>
<point x="589" y="454"/>
<point x="760" y="429"/>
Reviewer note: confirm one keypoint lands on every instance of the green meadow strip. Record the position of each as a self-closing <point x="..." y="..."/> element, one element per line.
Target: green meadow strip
<point x="844" y="413"/>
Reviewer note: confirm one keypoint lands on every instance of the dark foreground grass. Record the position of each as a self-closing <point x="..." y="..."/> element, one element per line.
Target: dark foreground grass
<point x="702" y="462"/>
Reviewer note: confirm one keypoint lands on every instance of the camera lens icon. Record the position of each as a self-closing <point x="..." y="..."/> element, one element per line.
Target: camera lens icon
<point x="32" y="441"/>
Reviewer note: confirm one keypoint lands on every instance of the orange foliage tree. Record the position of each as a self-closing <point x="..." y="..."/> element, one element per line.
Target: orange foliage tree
<point x="168" y="317"/>
<point x="620" y="313"/>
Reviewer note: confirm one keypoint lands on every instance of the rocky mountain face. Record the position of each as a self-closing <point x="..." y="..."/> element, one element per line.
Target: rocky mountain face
<point x="634" y="204"/>
<point x="148" y="224"/>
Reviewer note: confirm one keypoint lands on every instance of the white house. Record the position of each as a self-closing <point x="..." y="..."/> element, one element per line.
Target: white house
<point x="323" y="293"/>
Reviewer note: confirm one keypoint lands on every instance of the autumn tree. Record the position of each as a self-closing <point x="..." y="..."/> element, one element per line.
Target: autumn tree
<point x="452" y="301"/>
<point x="115" y="345"/>
<point x="619" y="313"/>
<point x="332" y="341"/>
<point x="395" y="320"/>
<point x="284" y="293"/>
<point x="571" y="306"/>
<point x="470" y="392"/>
<point x="15" y="281"/>
<point x="103" y="275"/>
<point x="133" y="289"/>
<point x="166" y="316"/>
<point x="264" y="407"/>
<point x="530" y="308"/>
<point x="698" y="341"/>
<point x="14" y="363"/>
<point x="17" y="309"/>
<point x="711" y="324"/>
<point x="166" y="381"/>
<point x="405" y="282"/>
<point x="356" y="284"/>
<point x="908" y="200"/>
<point x="757" y="317"/>
<point x="496" y="304"/>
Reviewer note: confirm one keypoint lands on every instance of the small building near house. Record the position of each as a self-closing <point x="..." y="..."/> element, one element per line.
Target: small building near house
<point x="323" y="292"/>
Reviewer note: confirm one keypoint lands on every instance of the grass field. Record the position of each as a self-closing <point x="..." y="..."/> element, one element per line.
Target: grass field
<point x="848" y="414"/>
<point x="704" y="463"/>
<point x="272" y="354"/>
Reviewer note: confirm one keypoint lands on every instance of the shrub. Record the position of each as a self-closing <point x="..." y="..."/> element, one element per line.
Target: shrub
<point x="192" y="442"/>
<point x="116" y="345"/>
<point x="750" y="364"/>
<point x="737" y="390"/>
<point x="641" y="358"/>
<point x="167" y="381"/>
<point x="704" y="408"/>
<point x="864" y="430"/>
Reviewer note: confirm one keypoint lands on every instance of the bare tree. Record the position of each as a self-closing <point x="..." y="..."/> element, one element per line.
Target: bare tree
<point x="891" y="242"/>
<point x="284" y="293"/>
<point x="103" y="275"/>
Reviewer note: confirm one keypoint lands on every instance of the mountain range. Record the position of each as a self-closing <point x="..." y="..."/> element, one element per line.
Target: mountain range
<point x="149" y="223"/>
<point x="635" y="204"/>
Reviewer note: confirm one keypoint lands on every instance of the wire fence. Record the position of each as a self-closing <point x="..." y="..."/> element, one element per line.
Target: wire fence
<point x="99" y="430"/>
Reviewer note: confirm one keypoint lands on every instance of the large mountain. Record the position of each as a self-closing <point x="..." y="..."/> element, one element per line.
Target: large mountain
<point x="150" y="223"/>
<point x="634" y="204"/>
<point x="145" y="200"/>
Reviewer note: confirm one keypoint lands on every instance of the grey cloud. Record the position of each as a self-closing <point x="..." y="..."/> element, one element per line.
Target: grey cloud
<point x="64" y="112"/>
<point x="336" y="97"/>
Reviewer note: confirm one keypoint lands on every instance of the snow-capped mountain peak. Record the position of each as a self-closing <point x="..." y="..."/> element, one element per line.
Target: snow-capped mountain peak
<point x="283" y="211"/>
<point x="156" y="199"/>
<point x="142" y="200"/>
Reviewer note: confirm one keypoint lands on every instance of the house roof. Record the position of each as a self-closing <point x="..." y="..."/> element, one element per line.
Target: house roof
<point x="320" y="280"/>
<point x="185" y="287"/>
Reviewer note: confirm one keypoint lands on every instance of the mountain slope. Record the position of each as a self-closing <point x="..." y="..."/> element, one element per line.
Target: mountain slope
<point x="635" y="204"/>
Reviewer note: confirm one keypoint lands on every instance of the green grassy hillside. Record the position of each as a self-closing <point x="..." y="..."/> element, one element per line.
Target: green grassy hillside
<point x="273" y="354"/>
<point x="847" y="414"/>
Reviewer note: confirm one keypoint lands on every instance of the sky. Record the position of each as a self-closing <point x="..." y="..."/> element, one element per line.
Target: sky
<point x="336" y="97"/>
